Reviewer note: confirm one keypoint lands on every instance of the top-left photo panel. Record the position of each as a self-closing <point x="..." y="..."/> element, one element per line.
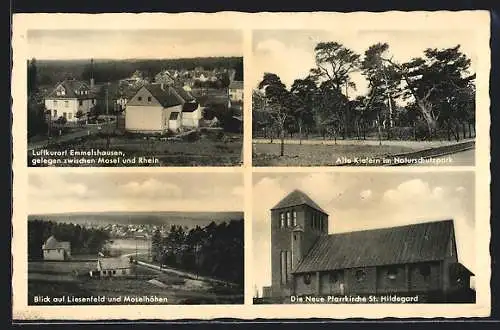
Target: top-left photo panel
<point x="134" y="98"/>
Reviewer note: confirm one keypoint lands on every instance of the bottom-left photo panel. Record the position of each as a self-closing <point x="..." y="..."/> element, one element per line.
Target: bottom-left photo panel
<point x="126" y="238"/>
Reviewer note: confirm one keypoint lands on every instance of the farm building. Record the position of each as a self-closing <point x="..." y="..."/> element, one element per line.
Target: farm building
<point x="413" y="259"/>
<point x="68" y="98"/>
<point x="112" y="267"/>
<point x="55" y="250"/>
<point x="158" y="108"/>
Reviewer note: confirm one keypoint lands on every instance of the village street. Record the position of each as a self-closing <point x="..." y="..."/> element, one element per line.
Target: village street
<point x="88" y="130"/>
<point x="166" y="269"/>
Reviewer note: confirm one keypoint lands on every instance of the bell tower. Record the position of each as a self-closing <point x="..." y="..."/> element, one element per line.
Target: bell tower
<point x="296" y="222"/>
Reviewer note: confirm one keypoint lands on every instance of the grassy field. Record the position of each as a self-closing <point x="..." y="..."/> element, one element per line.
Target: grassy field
<point x="203" y="152"/>
<point x="57" y="279"/>
<point x="266" y="154"/>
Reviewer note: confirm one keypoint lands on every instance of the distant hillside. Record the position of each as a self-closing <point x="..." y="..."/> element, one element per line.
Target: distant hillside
<point x="188" y="219"/>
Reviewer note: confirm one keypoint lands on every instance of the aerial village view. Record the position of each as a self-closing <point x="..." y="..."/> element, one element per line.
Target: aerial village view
<point x="173" y="110"/>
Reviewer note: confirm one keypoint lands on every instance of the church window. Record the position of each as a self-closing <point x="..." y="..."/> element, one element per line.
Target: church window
<point x="288" y="219"/>
<point x="360" y="275"/>
<point x="334" y="277"/>
<point x="392" y="272"/>
<point x="425" y="271"/>
<point x="284" y="275"/>
<point x="282" y="220"/>
<point x="307" y="279"/>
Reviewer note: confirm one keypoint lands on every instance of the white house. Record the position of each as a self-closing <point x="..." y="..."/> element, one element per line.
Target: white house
<point x="55" y="250"/>
<point x="69" y="97"/>
<point x="236" y="91"/>
<point x="157" y="108"/>
<point x="112" y="267"/>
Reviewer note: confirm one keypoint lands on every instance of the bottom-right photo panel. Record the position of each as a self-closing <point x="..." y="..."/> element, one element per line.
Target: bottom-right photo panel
<point x="364" y="237"/>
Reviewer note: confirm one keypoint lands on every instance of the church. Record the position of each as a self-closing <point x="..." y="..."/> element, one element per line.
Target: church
<point x="417" y="259"/>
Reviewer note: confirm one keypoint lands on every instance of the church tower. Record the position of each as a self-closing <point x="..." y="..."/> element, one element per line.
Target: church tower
<point x="296" y="222"/>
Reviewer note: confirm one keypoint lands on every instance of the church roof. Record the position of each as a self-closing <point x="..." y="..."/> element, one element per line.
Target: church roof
<point x="414" y="243"/>
<point x="296" y="198"/>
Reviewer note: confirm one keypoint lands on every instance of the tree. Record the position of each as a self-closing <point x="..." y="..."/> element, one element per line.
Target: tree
<point x="303" y="91"/>
<point x="335" y="63"/>
<point x="32" y="77"/>
<point x="434" y="77"/>
<point x="277" y="103"/>
<point x="328" y="109"/>
<point x="156" y="248"/>
<point x="383" y="81"/>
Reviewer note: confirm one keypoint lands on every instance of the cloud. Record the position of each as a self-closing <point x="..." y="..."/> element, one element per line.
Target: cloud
<point x="151" y="188"/>
<point x="407" y="190"/>
<point x="365" y="194"/>
<point x="57" y="187"/>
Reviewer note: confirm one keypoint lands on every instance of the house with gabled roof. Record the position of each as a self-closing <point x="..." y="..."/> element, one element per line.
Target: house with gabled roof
<point x="68" y="98"/>
<point x="112" y="267"/>
<point x="415" y="259"/>
<point x="158" y="108"/>
<point x="56" y="250"/>
<point x="235" y="91"/>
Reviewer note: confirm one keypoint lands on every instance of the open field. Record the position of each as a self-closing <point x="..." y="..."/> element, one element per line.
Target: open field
<point x="327" y="153"/>
<point x="203" y="152"/>
<point x="56" y="279"/>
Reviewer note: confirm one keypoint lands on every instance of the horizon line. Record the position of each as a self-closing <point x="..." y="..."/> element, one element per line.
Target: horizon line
<point x="138" y="211"/>
<point x="131" y="58"/>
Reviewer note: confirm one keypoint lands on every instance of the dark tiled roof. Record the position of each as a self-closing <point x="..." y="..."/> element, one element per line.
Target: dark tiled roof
<point x="387" y="246"/>
<point x="71" y="86"/>
<point x="187" y="96"/>
<point x="167" y="96"/>
<point x="189" y="107"/>
<point x="296" y="198"/>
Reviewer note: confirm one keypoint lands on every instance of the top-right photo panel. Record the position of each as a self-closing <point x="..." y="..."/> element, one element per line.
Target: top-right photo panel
<point x="364" y="98"/>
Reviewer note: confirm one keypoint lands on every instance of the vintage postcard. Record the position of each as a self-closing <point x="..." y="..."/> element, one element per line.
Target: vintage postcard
<point x="134" y="97"/>
<point x="228" y="165"/>
<point x="135" y="238"/>
<point x="364" y="97"/>
<point x="356" y="240"/>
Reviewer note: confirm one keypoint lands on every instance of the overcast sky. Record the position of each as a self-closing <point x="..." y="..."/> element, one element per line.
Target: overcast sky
<point x="290" y="53"/>
<point x="52" y="192"/>
<point x="126" y="44"/>
<point x="361" y="200"/>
